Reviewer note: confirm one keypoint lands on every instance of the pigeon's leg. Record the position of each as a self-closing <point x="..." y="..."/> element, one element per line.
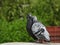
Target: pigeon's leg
<point x="39" y="41"/>
<point x="42" y="41"/>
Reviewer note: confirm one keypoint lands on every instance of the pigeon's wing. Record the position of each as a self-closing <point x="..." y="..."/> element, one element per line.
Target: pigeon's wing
<point x="36" y="29"/>
<point x="46" y="33"/>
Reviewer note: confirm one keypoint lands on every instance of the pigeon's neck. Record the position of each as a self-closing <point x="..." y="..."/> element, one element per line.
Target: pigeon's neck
<point x="35" y="22"/>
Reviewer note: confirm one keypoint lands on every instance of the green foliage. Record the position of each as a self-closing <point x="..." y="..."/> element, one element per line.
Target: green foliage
<point x="14" y="31"/>
<point x="13" y="17"/>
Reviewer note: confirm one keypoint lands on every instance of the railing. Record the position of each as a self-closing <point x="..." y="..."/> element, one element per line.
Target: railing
<point x="54" y="33"/>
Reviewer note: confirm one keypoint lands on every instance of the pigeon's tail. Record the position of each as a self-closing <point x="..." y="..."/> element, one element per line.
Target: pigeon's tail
<point x="46" y="35"/>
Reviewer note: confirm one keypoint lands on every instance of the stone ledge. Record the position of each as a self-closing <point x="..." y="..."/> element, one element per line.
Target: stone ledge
<point x="28" y="43"/>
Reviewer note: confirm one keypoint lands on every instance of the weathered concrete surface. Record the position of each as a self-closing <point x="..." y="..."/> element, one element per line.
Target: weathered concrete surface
<point x="28" y="43"/>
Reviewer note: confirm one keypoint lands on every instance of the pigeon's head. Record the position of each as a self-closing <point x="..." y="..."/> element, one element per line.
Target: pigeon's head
<point x="29" y="17"/>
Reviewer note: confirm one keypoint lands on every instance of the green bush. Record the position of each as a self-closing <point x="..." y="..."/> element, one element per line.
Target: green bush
<point x="14" y="31"/>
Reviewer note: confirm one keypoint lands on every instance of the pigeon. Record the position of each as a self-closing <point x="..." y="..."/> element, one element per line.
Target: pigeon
<point x="36" y="29"/>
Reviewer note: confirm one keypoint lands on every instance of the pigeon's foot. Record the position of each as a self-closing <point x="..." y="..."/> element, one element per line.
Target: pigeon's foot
<point x="40" y="41"/>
